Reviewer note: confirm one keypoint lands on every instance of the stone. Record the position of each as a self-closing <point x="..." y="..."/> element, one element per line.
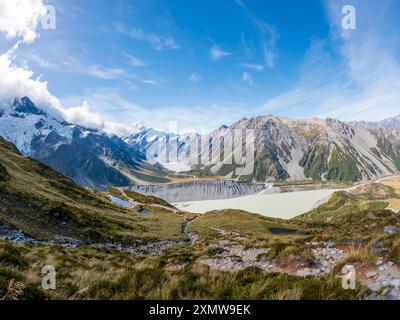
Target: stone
<point x="371" y="274"/>
<point x="371" y="216"/>
<point x="379" y="262"/>
<point x="395" y="283"/>
<point x="390" y="230"/>
<point x="385" y="291"/>
<point x="393" y="295"/>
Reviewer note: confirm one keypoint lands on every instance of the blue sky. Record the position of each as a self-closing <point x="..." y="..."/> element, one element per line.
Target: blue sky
<point x="208" y="63"/>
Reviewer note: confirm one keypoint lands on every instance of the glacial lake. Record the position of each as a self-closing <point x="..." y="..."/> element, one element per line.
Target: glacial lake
<point x="277" y="205"/>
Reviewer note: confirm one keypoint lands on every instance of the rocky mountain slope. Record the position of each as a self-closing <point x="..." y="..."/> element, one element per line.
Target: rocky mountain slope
<point x="389" y="123"/>
<point x="318" y="149"/>
<point x="91" y="158"/>
<point x="296" y="149"/>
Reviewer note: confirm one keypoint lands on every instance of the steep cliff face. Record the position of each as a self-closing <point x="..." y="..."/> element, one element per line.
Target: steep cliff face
<point x="200" y="190"/>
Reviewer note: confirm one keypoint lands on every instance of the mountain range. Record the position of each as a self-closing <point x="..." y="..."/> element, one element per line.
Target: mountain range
<point x="285" y="149"/>
<point x="92" y="158"/>
<point x="288" y="149"/>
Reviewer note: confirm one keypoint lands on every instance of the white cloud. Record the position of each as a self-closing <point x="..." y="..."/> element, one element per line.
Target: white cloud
<point x="216" y="53"/>
<point x="240" y="3"/>
<point x="158" y="42"/>
<point x="253" y="66"/>
<point x="120" y="113"/>
<point x="109" y="74"/>
<point x="83" y="116"/>
<point x="40" y="61"/>
<point x="19" y="82"/>
<point x="194" y="77"/>
<point x="267" y="37"/>
<point x="135" y="61"/>
<point x="20" y="18"/>
<point x="247" y="78"/>
<point x="156" y="83"/>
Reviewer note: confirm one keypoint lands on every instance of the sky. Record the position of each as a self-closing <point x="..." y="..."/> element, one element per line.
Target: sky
<point x="109" y="64"/>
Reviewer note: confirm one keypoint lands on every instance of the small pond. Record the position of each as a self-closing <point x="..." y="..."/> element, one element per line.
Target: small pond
<point x="145" y="211"/>
<point x="121" y="202"/>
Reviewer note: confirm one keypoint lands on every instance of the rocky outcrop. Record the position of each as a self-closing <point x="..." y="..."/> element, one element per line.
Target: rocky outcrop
<point x="9" y="234"/>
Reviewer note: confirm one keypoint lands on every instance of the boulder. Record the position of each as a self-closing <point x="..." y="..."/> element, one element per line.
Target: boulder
<point x="390" y="230"/>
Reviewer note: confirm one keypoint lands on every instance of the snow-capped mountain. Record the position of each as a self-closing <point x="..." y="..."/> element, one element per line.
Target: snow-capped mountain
<point x="167" y="149"/>
<point x="91" y="158"/>
<point x="285" y="149"/>
<point x="389" y="123"/>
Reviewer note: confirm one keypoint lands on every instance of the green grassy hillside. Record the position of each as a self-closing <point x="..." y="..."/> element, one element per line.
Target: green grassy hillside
<point x="44" y="204"/>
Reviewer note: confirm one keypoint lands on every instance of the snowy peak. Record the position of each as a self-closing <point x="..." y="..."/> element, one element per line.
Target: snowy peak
<point x="389" y="123"/>
<point x="137" y="127"/>
<point x="25" y="123"/>
<point x="91" y="158"/>
<point x="25" y="105"/>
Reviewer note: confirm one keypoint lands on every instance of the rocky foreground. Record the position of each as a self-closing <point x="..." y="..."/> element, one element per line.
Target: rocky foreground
<point x="383" y="278"/>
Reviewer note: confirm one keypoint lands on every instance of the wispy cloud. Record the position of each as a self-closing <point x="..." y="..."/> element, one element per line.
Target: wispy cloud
<point x="109" y="74"/>
<point x="247" y="49"/>
<point x="111" y="105"/>
<point x="217" y="53"/>
<point x="135" y="61"/>
<point x="268" y="40"/>
<point x="194" y="77"/>
<point x="267" y="34"/>
<point x="156" y="83"/>
<point x="247" y="78"/>
<point x="240" y="3"/>
<point x="253" y="66"/>
<point x="40" y="61"/>
<point x="352" y="75"/>
<point x="158" y="42"/>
